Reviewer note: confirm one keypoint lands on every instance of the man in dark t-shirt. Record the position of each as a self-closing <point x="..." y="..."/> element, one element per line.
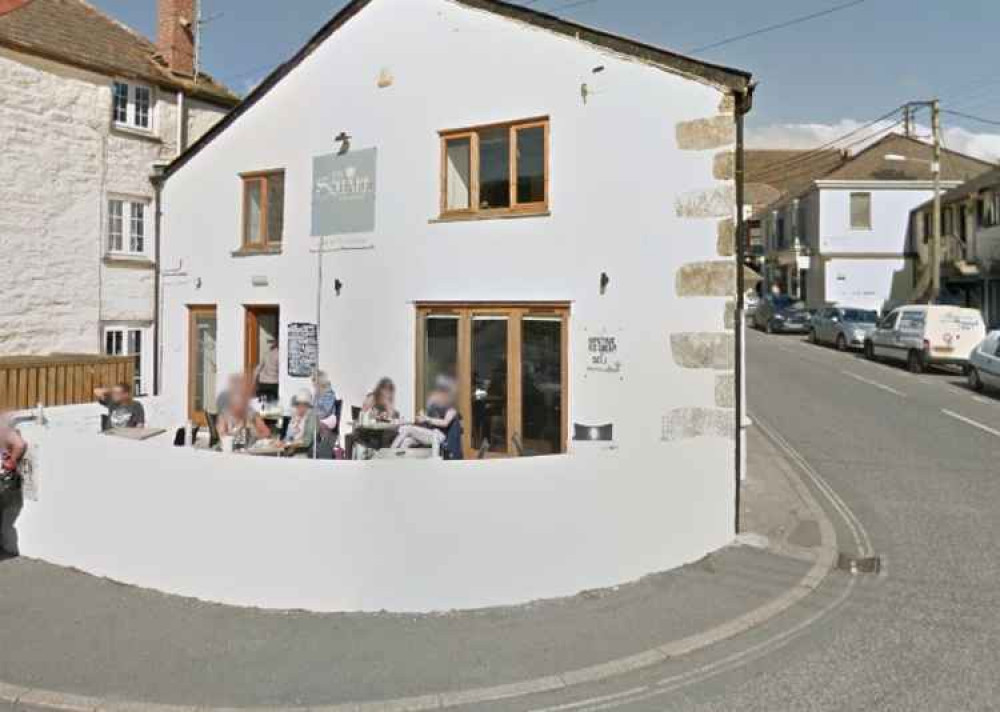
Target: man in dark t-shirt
<point x="123" y="410"/>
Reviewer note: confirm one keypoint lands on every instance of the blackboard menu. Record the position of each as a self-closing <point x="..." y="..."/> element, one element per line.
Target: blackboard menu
<point x="303" y="350"/>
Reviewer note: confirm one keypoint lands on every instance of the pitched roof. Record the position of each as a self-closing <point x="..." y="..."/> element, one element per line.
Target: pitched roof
<point x="75" y="33"/>
<point x="990" y="179"/>
<point x="774" y="173"/>
<point x="724" y="77"/>
<point x="871" y="163"/>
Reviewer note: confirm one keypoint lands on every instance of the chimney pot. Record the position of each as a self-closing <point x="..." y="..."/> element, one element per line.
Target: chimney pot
<point x="176" y="34"/>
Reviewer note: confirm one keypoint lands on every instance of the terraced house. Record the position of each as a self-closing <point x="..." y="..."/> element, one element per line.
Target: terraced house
<point x="88" y="109"/>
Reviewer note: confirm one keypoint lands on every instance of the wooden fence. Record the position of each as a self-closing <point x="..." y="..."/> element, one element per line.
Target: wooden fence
<point x="68" y="379"/>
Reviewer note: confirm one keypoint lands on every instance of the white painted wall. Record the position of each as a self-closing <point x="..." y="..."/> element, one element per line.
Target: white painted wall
<point x="890" y="217"/>
<point x="616" y="172"/>
<point x="332" y="536"/>
<point x="868" y="283"/>
<point x="61" y="159"/>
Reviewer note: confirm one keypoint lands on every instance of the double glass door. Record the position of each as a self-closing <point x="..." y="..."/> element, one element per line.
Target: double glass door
<point x="510" y="365"/>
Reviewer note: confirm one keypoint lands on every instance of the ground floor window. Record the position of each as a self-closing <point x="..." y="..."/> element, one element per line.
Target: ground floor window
<point x="128" y="341"/>
<point x="510" y="361"/>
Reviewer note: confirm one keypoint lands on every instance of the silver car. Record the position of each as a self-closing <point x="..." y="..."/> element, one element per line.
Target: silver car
<point x="984" y="363"/>
<point x="844" y="327"/>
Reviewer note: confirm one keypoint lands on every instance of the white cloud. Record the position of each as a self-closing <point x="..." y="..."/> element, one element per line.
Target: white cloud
<point x="985" y="146"/>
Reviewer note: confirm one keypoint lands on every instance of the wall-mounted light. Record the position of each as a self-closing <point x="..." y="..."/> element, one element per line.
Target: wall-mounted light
<point x="259" y="280"/>
<point x="344" y="139"/>
<point x="598" y="69"/>
<point x="337" y="286"/>
<point x="605" y="281"/>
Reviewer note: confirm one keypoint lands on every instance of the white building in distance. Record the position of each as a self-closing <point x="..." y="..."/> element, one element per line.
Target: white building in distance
<point x="88" y="108"/>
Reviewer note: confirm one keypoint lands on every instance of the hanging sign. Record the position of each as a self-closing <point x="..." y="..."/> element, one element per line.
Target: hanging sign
<point x="343" y="193"/>
<point x="303" y="350"/>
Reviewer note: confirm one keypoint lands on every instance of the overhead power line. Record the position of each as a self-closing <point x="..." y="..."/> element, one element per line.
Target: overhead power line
<point x="971" y="117"/>
<point x="777" y="26"/>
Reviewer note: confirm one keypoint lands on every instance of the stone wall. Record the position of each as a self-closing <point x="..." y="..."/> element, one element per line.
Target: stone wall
<point x="61" y="160"/>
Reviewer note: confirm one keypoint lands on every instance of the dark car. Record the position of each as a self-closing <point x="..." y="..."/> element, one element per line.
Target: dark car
<point x="782" y="314"/>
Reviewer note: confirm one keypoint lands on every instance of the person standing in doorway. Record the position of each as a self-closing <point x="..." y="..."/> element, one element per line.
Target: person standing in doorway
<point x="267" y="373"/>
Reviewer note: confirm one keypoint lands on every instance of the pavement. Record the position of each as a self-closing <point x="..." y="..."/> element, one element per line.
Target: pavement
<point x="72" y="641"/>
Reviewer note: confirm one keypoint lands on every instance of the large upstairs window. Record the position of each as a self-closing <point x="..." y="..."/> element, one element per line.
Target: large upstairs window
<point x="495" y="171"/>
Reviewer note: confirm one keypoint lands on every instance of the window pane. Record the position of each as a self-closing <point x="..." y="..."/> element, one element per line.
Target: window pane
<point x="531" y="165"/>
<point x="275" y="206"/>
<point x="458" y="195"/>
<point x="489" y="383"/>
<point x="137" y="228"/>
<point x="204" y="365"/>
<point x="143" y="99"/>
<point x="119" y="103"/>
<point x="861" y="207"/>
<point x="253" y="207"/>
<point x="440" y="351"/>
<point x="116" y="210"/>
<point x="541" y="385"/>
<point x="494" y="169"/>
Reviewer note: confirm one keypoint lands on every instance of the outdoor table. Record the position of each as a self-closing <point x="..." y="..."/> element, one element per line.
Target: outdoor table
<point x="273" y="449"/>
<point x="135" y="433"/>
<point x="375" y="436"/>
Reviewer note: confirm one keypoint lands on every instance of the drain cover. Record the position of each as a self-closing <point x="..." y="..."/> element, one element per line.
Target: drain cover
<point x="859" y="565"/>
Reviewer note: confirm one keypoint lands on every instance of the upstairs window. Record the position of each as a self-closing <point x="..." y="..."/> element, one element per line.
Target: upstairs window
<point x="132" y="106"/>
<point x="263" y="209"/>
<point x="861" y="211"/>
<point x="127" y="226"/>
<point x="495" y="170"/>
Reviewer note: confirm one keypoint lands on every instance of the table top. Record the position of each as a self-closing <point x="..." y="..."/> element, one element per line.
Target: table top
<point x="135" y="433"/>
<point x="379" y="426"/>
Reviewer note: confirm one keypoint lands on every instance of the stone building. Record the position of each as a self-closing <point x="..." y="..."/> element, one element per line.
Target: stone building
<point x="88" y="109"/>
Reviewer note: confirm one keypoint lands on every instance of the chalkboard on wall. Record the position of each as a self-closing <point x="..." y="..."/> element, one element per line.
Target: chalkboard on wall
<point x="303" y="350"/>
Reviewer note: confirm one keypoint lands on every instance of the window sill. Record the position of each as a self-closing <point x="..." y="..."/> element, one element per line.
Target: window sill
<point x="129" y="261"/>
<point x="473" y="217"/>
<point x="257" y="251"/>
<point x="134" y="132"/>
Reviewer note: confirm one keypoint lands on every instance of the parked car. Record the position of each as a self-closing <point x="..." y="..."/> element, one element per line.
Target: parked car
<point x="984" y="363"/>
<point x="844" y="327"/>
<point x="750" y="302"/>
<point x="779" y="313"/>
<point x="927" y="335"/>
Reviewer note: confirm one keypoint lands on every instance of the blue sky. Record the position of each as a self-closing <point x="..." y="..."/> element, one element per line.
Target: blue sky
<point x="816" y="78"/>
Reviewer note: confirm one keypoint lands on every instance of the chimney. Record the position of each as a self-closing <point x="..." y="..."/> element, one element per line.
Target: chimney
<point x="176" y="33"/>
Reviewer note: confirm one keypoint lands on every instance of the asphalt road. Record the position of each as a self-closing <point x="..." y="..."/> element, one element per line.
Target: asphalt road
<point x="914" y="462"/>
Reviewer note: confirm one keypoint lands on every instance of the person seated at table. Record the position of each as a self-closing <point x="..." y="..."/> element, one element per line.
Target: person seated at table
<point x="123" y="410"/>
<point x="438" y="425"/>
<point x="241" y="422"/>
<point x="380" y="404"/>
<point x="12" y="451"/>
<point x="235" y="383"/>
<point x="301" y="432"/>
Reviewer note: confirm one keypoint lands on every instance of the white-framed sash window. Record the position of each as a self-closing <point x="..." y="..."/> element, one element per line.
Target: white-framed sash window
<point x="134" y="341"/>
<point x="128" y="227"/>
<point x="132" y="106"/>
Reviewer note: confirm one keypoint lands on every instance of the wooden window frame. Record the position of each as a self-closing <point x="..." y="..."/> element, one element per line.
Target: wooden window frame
<point x="515" y="312"/>
<point x="850" y="209"/>
<point x="199" y="417"/>
<point x="472" y="133"/>
<point x="266" y="244"/>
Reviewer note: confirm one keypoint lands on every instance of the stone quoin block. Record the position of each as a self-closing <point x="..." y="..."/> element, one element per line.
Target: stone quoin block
<point x="724" y="166"/>
<point x="727" y="105"/>
<point x="706" y="134"/>
<point x="718" y="202"/>
<point x="687" y="423"/>
<point x="703" y="350"/>
<point x="706" y="279"/>
<point x="726" y="244"/>
<point x="725" y="390"/>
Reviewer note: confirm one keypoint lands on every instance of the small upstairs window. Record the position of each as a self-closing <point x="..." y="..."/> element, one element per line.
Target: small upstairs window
<point x="496" y="170"/>
<point x="132" y="106"/>
<point x="263" y="210"/>
<point x="861" y="211"/>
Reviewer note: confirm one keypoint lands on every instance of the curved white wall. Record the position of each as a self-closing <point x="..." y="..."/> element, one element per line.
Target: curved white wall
<point x="332" y="536"/>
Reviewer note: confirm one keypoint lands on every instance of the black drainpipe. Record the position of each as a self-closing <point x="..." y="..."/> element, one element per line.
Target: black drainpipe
<point x="743" y="103"/>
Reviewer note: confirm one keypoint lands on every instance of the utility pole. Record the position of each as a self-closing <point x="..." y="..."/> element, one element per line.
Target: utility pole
<point x="908" y="121"/>
<point x="936" y="171"/>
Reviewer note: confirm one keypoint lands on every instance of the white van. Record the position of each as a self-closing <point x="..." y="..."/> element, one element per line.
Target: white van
<point x="923" y="335"/>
